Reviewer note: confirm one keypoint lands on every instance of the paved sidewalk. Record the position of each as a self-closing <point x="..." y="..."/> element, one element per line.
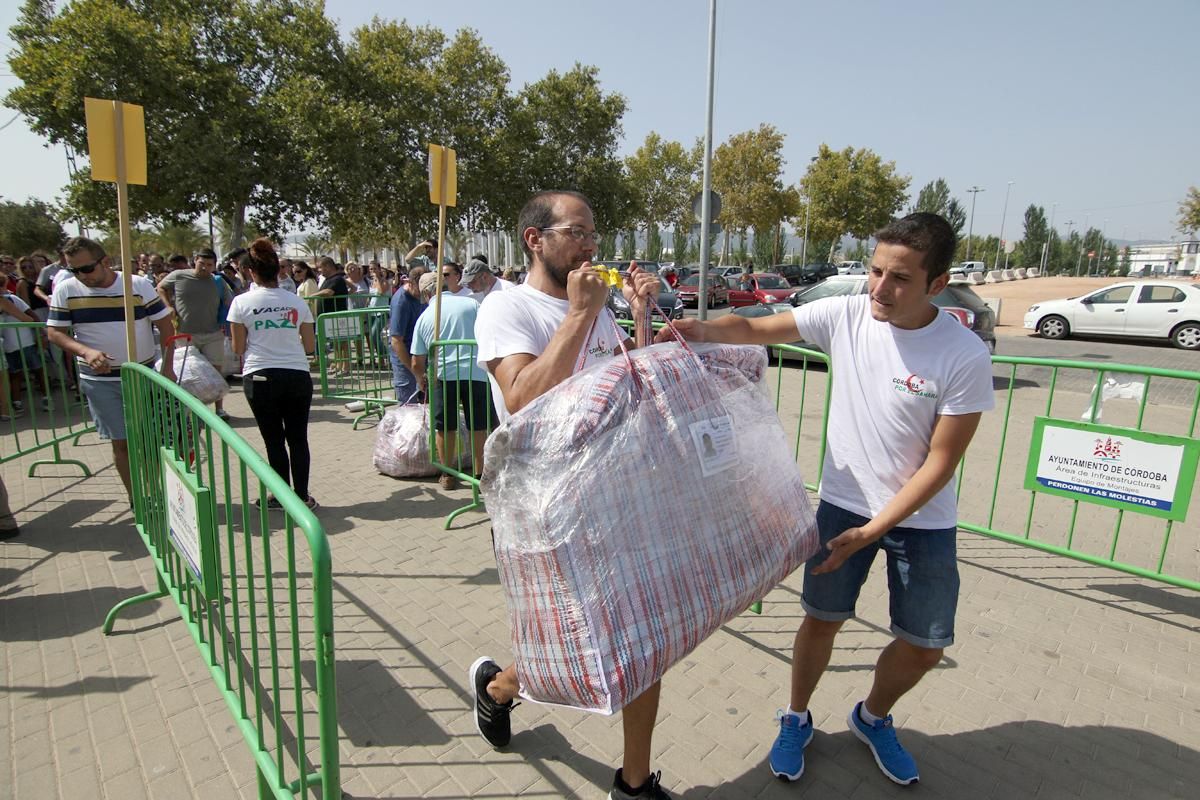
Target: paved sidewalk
<point x="1067" y="680"/>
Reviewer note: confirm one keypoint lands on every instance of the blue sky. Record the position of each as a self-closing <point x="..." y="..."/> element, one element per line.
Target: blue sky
<point x="1087" y="104"/>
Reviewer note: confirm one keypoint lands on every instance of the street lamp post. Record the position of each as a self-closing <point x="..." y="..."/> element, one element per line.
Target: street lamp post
<point x="1049" y="239"/>
<point x="807" y="207"/>
<point x="1082" y="244"/>
<point x="974" y="190"/>
<point x="1003" y="214"/>
<point x="1100" y="260"/>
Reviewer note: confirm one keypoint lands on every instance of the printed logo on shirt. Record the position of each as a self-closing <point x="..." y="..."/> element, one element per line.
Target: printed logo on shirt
<point x="915" y="386"/>
<point x="290" y="318"/>
<point x="600" y="349"/>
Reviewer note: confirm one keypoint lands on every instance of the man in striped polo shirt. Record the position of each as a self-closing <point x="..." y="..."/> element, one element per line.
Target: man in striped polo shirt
<point x="90" y="304"/>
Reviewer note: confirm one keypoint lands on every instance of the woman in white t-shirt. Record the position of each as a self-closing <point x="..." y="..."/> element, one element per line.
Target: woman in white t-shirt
<point x="272" y="331"/>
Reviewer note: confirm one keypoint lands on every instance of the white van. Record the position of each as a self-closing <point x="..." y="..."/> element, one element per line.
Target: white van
<point x="851" y="268"/>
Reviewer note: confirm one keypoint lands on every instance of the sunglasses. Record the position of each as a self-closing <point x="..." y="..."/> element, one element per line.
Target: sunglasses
<point x="86" y="269"/>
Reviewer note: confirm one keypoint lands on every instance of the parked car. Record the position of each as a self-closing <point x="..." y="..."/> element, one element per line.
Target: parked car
<point x="958" y="299"/>
<point x="667" y="300"/>
<point x="851" y="268"/>
<point x="1150" y="309"/>
<point x="730" y="271"/>
<point x="815" y="273"/>
<point x="766" y="310"/>
<point x="689" y="291"/>
<point x="648" y="266"/>
<point x="758" y="287"/>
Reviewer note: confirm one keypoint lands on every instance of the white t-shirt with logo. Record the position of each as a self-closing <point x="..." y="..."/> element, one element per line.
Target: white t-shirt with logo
<point x="524" y="320"/>
<point x="889" y="385"/>
<point x="272" y="318"/>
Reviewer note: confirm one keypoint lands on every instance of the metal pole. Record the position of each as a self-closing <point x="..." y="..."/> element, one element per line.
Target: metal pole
<point x="974" y="190"/>
<point x="1100" y="260"/>
<point x="1049" y="239"/>
<point x="706" y="200"/>
<point x="1082" y="244"/>
<point x="1003" y="214"/>
<point x="804" y="244"/>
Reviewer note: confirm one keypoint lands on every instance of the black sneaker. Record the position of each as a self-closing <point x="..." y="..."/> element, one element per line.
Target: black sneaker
<point x="491" y="718"/>
<point x="650" y="790"/>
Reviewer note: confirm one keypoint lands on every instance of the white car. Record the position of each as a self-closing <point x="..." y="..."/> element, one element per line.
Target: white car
<point x="1153" y="309"/>
<point x="852" y="268"/>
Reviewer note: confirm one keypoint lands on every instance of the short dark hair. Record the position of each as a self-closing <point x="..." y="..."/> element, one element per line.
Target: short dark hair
<point x="206" y="252"/>
<point x="326" y="261"/>
<point x="927" y="233"/>
<point x="177" y="258"/>
<point x="538" y="212"/>
<point x="78" y="243"/>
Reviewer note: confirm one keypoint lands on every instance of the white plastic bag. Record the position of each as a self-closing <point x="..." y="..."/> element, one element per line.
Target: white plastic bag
<point x="402" y="443"/>
<point x="233" y="362"/>
<point x="198" y="377"/>
<point x="637" y="507"/>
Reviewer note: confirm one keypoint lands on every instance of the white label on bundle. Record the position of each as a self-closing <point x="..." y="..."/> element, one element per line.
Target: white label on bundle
<point x="714" y="444"/>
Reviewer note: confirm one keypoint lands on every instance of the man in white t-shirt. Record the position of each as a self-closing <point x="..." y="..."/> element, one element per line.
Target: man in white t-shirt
<point x="89" y="303"/>
<point x="480" y="280"/>
<point x="531" y="338"/>
<point x="909" y="387"/>
<point x="452" y="280"/>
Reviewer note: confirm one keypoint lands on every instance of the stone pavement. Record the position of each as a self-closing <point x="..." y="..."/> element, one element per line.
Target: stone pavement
<point x="1066" y="680"/>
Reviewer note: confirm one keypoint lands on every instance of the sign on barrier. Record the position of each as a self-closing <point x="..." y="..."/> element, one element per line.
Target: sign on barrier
<point x="190" y="522"/>
<point x="1119" y="467"/>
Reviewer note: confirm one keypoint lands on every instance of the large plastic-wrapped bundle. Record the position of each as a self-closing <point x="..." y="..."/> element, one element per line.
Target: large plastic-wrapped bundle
<point x="636" y="508"/>
<point x="196" y="375"/>
<point x="402" y="443"/>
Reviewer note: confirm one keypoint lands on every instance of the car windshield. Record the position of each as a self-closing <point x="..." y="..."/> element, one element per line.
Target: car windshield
<point x="960" y="296"/>
<point x="830" y="289"/>
<point x="772" y="282"/>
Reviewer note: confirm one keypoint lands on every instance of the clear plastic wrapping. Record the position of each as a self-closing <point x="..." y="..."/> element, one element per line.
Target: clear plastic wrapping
<point x="636" y="508"/>
<point x="402" y="443"/>
<point x="196" y="375"/>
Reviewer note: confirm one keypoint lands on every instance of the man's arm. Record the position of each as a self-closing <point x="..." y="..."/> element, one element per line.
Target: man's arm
<point x="418" y="371"/>
<point x="951" y="436"/>
<point x="732" y="329"/>
<point x="164" y="292"/>
<point x="401" y="351"/>
<point x="524" y="377"/>
<point x="166" y="329"/>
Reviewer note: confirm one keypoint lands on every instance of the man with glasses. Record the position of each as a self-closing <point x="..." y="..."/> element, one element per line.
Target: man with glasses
<point x="452" y="280"/>
<point x="90" y="305"/>
<point x="480" y="280"/>
<point x="200" y="299"/>
<point x="530" y="339"/>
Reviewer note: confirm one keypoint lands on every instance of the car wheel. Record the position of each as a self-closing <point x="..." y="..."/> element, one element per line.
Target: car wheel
<point x="1053" y="327"/>
<point x="1186" y="336"/>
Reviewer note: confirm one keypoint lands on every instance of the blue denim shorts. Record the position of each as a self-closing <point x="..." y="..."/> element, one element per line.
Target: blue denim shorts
<point x="922" y="572"/>
<point x="108" y="412"/>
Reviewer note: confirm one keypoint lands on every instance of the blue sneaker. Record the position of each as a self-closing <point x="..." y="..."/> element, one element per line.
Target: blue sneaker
<point x="893" y="759"/>
<point x="787" y="754"/>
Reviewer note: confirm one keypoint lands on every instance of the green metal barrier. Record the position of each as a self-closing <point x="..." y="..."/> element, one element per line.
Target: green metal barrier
<point x="463" y="458"/>
<point x="354" y="359"/>
<point x="49" y="413"/>
<point x="260" y="613"/>
<point x="992" y="499"/>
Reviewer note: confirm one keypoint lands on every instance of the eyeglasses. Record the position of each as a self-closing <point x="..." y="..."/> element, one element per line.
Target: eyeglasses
<point x="86" y="269"/>
<point x="448" y="274"/>
<point x="575" y="232"/>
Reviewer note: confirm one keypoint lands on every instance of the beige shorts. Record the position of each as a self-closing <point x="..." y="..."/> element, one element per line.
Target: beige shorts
<point x="211" y="346"/>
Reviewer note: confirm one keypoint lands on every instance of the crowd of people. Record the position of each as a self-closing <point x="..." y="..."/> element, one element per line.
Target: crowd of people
<point x="889" y="464"/>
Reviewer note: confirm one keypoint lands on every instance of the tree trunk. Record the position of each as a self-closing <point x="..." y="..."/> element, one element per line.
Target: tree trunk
<point x="237" y="228"/>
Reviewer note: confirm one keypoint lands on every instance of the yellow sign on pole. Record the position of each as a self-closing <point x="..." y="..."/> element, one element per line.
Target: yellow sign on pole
<point x="443" y="189"/>
<point x="101" y="116"/>
<point x="443" y="176"/>
<point x="117" y="149"/>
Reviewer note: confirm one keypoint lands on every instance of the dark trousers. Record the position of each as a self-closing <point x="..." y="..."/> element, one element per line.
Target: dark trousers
<point x="280" y="400"/>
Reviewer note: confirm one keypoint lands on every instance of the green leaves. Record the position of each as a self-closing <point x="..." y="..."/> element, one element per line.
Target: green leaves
<point x="1189" y="212"/>
<point x="25" y="227"/>
<point x="851" y="191"/>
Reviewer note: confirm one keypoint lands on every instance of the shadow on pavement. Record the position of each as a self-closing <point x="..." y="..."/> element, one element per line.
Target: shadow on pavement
<point x="1016" y="759"/>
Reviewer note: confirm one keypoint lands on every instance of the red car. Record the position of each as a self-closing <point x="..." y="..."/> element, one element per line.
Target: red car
<point x="688" y="290"/>
<point x="758" y="287"/>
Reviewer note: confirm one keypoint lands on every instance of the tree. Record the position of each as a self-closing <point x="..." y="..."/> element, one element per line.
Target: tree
<point x="562" y="134"/>
<point x="184" y="239"/>
<point x="935" y="198"/>
<point x="216" y="79"/>
<point x="747" y="170"/>
<point x="851" y="191"/>
<point x="1037" y="233"/>
<point x="30" y="226"/>
<point x="663" y="177"/>
<point x="1189" y="212"/>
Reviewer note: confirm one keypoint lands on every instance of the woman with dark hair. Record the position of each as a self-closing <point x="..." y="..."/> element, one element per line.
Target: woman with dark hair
<point x="305" y="278"/>
<point x="272" y="330"/>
